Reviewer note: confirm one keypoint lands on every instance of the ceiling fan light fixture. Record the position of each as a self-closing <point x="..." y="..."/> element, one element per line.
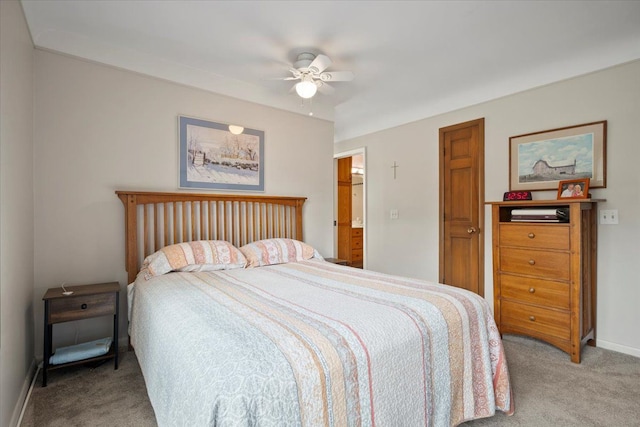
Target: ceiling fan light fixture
<point x="306" y="88"/>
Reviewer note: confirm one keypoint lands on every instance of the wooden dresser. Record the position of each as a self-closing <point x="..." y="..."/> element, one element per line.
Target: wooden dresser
<point x="544" y="274"/>
<point x="356" y="247"/>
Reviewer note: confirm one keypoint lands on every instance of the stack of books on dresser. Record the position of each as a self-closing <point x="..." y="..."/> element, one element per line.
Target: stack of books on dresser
<point x="540" y="215"/>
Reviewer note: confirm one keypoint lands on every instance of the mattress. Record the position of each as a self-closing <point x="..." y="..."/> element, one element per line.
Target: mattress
<point x="316" y="344"/>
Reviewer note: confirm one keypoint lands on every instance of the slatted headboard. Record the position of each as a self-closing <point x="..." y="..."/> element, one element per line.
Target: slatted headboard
<point x="154" y="220"/>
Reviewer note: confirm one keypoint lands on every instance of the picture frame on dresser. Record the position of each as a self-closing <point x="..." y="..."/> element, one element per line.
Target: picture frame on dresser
<point x="573" y="189"/>
<point x="540" y="160"/>
<point x="220" y="156"/>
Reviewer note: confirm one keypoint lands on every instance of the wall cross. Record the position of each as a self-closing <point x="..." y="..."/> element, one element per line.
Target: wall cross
<point x="395" y="168"/>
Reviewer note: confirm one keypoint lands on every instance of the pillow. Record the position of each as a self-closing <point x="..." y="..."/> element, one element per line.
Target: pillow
<point x="201" y="255"/>
<point x="277" y="251"/>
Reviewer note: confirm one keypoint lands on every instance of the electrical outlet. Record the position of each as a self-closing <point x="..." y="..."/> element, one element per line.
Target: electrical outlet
<point x="394" y="214"/>
<point x="609" y="216"/>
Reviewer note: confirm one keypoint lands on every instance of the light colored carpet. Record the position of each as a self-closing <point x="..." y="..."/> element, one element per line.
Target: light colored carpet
<point x="97" y="397"/>
<point x="604" y="390"/>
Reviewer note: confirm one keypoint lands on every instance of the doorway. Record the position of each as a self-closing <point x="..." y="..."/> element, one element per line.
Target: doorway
<point x="462" y="205"/>
<point x="350" y="212"/>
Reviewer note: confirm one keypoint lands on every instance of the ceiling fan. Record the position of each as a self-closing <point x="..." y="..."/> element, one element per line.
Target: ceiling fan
<point x="310" y="70"/>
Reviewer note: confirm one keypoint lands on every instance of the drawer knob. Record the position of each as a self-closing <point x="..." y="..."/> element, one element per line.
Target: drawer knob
<point x="532" y="290"/>
<point x="83" y="306"/>
<point x="532" y="262"/>
<point x="532" y="318"/>
<point x="531" y="235"/>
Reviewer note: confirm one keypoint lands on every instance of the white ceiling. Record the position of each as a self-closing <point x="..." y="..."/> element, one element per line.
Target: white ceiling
<point x="412" y="59"/>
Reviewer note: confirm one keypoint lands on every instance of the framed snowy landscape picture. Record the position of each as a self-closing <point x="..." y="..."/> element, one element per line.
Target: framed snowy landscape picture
<point x="540" y="160"/>
<point x="219" y="156"/>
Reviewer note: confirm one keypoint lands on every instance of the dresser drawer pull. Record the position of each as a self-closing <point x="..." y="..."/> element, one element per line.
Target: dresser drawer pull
<point x="532" y="290"/>
<point x="83" y="306"/>
<point x="531" y="235"/>
<point x="532" y="318"/>
<point x="531" y="262"/>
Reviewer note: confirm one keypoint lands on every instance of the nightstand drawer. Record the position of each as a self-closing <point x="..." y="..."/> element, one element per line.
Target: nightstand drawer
<point x="81" y="307"/>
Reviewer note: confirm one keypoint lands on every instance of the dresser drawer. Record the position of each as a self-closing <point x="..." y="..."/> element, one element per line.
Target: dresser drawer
<point x="550" y="265"/>
<point x="356" y="243"/>
<point x="81" y="307"/>
<point x="538" y="319"/>
<point x="356" y="255"/>
<point x="535" y="291"/>
<point x="356" y="232"/>
<point x="549" y="236"/>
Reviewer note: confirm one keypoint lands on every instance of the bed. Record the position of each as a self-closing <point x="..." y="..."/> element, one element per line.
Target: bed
<point x="236" y="321"/>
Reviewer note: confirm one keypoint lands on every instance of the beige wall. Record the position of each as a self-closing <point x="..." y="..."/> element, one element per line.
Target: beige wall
<point x="16" y="211"/>
<point x="99" y="129"/>
<point x="409" y="245"/>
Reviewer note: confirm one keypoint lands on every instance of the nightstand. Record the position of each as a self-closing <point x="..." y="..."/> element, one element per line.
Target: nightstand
<point x="87" y="301"/>
<point x="337" y="261"/>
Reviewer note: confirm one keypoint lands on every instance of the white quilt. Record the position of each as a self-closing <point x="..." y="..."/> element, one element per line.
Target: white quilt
<point x="315" y="344"/>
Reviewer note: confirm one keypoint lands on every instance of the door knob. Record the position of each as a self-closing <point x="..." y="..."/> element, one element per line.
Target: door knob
<point x="471" y="230"/>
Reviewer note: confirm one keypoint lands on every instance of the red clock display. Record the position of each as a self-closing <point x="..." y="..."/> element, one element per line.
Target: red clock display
<point x="516" y="195"/>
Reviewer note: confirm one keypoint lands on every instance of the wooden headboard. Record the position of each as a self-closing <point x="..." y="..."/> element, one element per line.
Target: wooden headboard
<point x="154" y="220"/>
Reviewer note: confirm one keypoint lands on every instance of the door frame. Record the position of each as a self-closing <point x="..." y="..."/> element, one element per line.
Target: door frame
<point x="342" y="154"/>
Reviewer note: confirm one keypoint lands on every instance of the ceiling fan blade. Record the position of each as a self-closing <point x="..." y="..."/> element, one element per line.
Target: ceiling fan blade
<point x="337" y="76"/>
<point x="324" y="88"/>
<point x="319" y="64"/>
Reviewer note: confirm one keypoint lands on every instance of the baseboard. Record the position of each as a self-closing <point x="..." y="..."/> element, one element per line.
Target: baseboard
<point x="617" y="347"/>
<point x="24" y="392"/>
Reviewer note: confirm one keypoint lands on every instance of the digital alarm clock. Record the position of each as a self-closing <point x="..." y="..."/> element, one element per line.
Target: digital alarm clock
<point x="516" y="195"/>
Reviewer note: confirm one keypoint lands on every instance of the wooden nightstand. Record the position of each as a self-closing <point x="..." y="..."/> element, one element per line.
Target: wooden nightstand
<point x="87" y="301"/>
<point x="337" y="261"/>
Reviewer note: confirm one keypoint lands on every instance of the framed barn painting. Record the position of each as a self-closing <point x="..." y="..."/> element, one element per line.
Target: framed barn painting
<point x="540" y="160"/>
<point x="220" y="156"/>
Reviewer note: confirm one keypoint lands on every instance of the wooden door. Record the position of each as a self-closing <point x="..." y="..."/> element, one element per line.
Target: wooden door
<point x="343" y="221"/>
<point x="461" y="205"/>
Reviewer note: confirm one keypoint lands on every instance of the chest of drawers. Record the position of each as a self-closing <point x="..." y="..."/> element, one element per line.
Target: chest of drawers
<point x="356" y="248"/>
<point x="544" y="274"/>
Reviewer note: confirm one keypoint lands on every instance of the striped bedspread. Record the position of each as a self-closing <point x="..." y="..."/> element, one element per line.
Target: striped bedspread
<point x="316" y="344"/>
